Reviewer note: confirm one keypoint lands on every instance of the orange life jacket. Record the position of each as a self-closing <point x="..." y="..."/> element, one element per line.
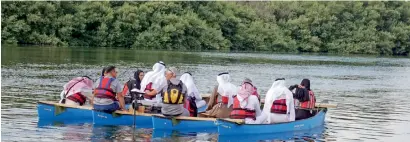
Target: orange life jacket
<point x="104" y="90"/>
<point x="309" y="104"/>
<point x="279" y="106"/>
<point x="77" y="97"/>
<point x="241" y="113"/>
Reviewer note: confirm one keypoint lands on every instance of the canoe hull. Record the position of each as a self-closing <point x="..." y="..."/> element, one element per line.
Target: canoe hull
<point x="229" y="128"/>
<point x="47" y="112"/>
<point x="162" y="123"/>
<point x="102" y="118"/>
<point x="305" y="135"/>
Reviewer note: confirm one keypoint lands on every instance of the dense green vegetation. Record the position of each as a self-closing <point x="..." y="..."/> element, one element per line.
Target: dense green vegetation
<point x="325" y="27"/>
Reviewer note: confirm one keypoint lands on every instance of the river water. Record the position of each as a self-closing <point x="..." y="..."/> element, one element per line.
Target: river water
<point x="372" y="92"/>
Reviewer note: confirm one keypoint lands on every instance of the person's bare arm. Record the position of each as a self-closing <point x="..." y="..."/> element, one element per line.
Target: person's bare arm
<point x="121" y="100"/>
<point x="151" y="93"/>
<point x="212" y="98"/>
<point x="92" y="99"/>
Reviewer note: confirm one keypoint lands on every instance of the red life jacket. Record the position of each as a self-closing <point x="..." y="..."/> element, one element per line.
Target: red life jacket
<point x="311" y="103"/>
<point x="104" y="90"/>
<point x="279" y="106"/>
<point x="255" y="92"/>
<point x="241" y="113"/>
<point x="149" y="88"/>
<point x="225" y="100"/>
<point x="77" y="97"/>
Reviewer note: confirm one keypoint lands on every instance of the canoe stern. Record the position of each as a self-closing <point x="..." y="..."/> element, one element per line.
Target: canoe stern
<point x="229" y="128"/>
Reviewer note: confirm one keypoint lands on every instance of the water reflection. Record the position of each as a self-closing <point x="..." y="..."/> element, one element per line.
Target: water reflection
<point x="316" y="134"/>
<point x="120" y="133"/>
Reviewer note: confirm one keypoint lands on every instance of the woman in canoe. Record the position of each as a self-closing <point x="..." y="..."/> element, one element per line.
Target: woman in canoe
<point x="77" y="91"/>
<point x="279" y="105"/>
<point x="193" y="92"/>
<point x="154" y="81"/>
<point x="245" y="105"/>
<point x="220" y="102"/>
<point x="134" y="82"/>
<point x="304" y="99"/>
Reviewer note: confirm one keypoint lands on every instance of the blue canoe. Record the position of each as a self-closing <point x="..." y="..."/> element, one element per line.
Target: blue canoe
<point x="50" y="111"/>
<point x="196" y="124"/>
<point x="142" y="120"/>
<point x="305" y="135"/>
<point x="228" y="127"/>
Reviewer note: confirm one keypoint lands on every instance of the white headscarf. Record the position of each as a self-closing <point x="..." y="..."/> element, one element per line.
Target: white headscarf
<point x="187" y="79"/>
<point x="279" y="91"/>
<point x="226" y="88"/>
<point x="156" y="76"/>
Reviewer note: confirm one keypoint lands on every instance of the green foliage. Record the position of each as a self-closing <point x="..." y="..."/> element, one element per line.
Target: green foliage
<point x="325" y="27"/>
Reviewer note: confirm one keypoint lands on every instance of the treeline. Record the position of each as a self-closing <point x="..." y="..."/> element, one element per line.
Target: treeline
<point x="325" y="27"/>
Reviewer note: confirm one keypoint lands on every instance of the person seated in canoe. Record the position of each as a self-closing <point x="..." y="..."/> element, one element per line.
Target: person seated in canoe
<point x="279" y="105"/>
<point x="245" y="104"/>
<point x="173" y="95"/>
<point x="153" y="82"/>
<point x="107" y="92"/>
<point x="134" y="82"/>
<point x="220" y="102"/>
<point x="77" y="91"/>
<point x="193" y="92"/>
<point x="304" y="99"/>
<point x="254" y="90"/>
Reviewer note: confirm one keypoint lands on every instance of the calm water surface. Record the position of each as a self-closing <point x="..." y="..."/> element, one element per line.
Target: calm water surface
<point x="372" y="92"/>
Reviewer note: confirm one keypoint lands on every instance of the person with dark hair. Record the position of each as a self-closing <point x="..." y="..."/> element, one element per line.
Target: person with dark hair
<point x="133" y="83"/>
<point x="304" y="99"/>
<point x="103" y="71"/>
<point x="107" y="92"/>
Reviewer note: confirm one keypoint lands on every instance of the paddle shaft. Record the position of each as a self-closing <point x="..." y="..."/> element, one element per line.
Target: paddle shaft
<point x="134" y="101"/>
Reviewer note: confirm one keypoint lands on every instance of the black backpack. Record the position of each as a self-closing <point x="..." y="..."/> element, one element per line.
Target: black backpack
<point x="192" y="108"/>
